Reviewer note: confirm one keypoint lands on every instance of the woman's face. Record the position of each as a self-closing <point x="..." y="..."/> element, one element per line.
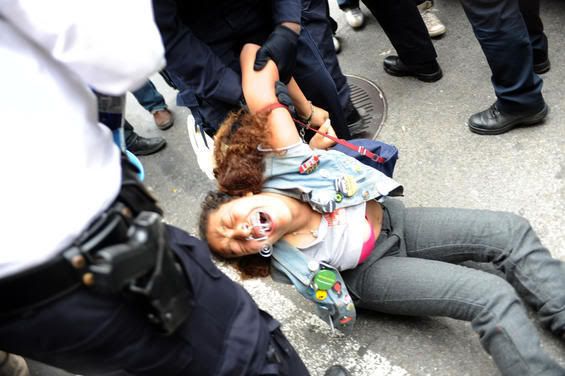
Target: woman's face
<point x="243" y="226"/>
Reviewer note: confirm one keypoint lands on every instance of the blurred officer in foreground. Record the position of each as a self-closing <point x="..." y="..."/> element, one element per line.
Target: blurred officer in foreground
<point x="91" y="279"/>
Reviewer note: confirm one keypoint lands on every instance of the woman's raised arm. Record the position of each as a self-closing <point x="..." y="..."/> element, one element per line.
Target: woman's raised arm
<point x="259" y="92"/>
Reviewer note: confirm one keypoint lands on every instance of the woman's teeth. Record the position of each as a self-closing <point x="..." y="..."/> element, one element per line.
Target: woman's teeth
<point x="260" y="224"/>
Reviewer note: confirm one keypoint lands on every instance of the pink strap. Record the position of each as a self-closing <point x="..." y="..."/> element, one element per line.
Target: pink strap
<point x="359" y="149"/>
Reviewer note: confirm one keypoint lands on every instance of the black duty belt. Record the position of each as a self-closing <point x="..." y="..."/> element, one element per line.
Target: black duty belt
<point x="124" y="247"/>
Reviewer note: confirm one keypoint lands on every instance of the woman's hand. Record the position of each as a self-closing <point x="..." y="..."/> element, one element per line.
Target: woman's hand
<point x="321" y="142"/>
<point x="319" y="117"/>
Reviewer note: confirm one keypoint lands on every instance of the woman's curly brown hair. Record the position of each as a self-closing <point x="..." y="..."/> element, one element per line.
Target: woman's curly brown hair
<point x="239" y="170"/>
<point x="239" y="164"/>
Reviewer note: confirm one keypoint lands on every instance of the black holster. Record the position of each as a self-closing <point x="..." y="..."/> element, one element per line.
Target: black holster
<point x="144" y="269"/>
<point x="127" y="252"/>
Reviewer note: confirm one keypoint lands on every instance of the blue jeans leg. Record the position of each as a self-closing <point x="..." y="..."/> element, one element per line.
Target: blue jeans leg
<point x="429" y="283"/>
<point x="149" y="97"/>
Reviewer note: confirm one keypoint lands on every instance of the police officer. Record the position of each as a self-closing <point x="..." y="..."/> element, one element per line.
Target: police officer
<point x="203" y="41"/>
<point x="91" y="279"/>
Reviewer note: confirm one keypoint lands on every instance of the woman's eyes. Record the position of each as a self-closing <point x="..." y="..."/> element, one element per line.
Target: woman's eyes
<point x="230" y="220"/>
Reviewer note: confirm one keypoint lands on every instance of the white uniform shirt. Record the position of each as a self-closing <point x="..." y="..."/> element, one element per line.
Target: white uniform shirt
<point x="58" y="167"/>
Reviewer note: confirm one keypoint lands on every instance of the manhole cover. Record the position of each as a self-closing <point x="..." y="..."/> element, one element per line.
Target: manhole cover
<point x="370" y="101"/>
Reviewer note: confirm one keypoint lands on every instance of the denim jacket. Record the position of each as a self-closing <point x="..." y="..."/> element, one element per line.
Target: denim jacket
<point x="335" y="181"/>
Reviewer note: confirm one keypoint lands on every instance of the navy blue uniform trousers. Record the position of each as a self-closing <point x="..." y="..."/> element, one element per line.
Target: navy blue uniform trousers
<point x="89" y="333"/>
<point x="316" y="23"/>
<point x="404" y="27"/>
<point x="510" y="32"/>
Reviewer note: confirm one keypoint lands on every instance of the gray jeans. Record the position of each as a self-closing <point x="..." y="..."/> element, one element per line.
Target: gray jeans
<point x="413" y="271"/>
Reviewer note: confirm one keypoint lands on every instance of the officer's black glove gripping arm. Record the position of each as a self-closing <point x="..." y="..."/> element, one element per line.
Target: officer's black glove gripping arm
<point x="281" y="47"/>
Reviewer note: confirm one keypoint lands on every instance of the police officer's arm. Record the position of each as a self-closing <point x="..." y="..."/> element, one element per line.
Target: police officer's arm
<point x="288" y="13"/>
<point x="192" y="60"/>
<point x="282" y="43"/>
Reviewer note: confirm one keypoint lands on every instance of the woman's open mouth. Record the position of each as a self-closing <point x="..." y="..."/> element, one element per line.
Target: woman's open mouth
<point x="261" y="226"/>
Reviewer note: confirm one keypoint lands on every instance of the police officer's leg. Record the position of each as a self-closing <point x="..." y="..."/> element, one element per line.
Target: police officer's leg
<point x="86" y="332"/>
<point x="282" y="358"/>
<point x="503" y="36"/>
<point x="538" y="39"/>
<point x="315" y="17"/>
<point x="403" y="25"/>
<point x="224" y="334"/>
<point x="230" y="334"/>
<point x="317" y="83"/>
<point x="292" y="365"/>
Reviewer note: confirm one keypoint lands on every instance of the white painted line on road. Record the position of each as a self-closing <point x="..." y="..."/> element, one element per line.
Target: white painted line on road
<point x="311" y="337"/>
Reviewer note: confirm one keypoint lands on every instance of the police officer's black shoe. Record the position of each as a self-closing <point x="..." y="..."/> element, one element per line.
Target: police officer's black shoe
<point x="428" y="72"/>
<point x="144" y="146"/>
<point x="493" y="121"/>
<point x="357" y="128"/>
<point x="337" y="370"/>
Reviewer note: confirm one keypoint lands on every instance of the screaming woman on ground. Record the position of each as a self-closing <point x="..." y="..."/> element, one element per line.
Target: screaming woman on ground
<point x="393" y="259"/>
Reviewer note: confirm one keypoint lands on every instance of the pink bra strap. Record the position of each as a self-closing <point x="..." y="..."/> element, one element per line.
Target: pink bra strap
<point x="368" y="245"/>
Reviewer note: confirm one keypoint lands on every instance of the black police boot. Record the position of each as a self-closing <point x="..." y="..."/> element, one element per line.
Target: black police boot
<point x="140" y="145"/>
<point x="354" y="122"/>
<point x="427" y="72"/>
<point x="337" y="370"/>
<point x="493" y="121"/>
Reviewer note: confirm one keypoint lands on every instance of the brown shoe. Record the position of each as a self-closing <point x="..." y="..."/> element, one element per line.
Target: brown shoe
<point x="164" y="119"/>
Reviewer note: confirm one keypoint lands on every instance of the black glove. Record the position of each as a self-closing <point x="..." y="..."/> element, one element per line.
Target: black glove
<point x="281" y="47"/>
<point x="284" y="97"/>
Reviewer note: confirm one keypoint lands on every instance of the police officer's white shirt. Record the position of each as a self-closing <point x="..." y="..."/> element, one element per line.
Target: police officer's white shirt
<point x="59" y="168"/>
